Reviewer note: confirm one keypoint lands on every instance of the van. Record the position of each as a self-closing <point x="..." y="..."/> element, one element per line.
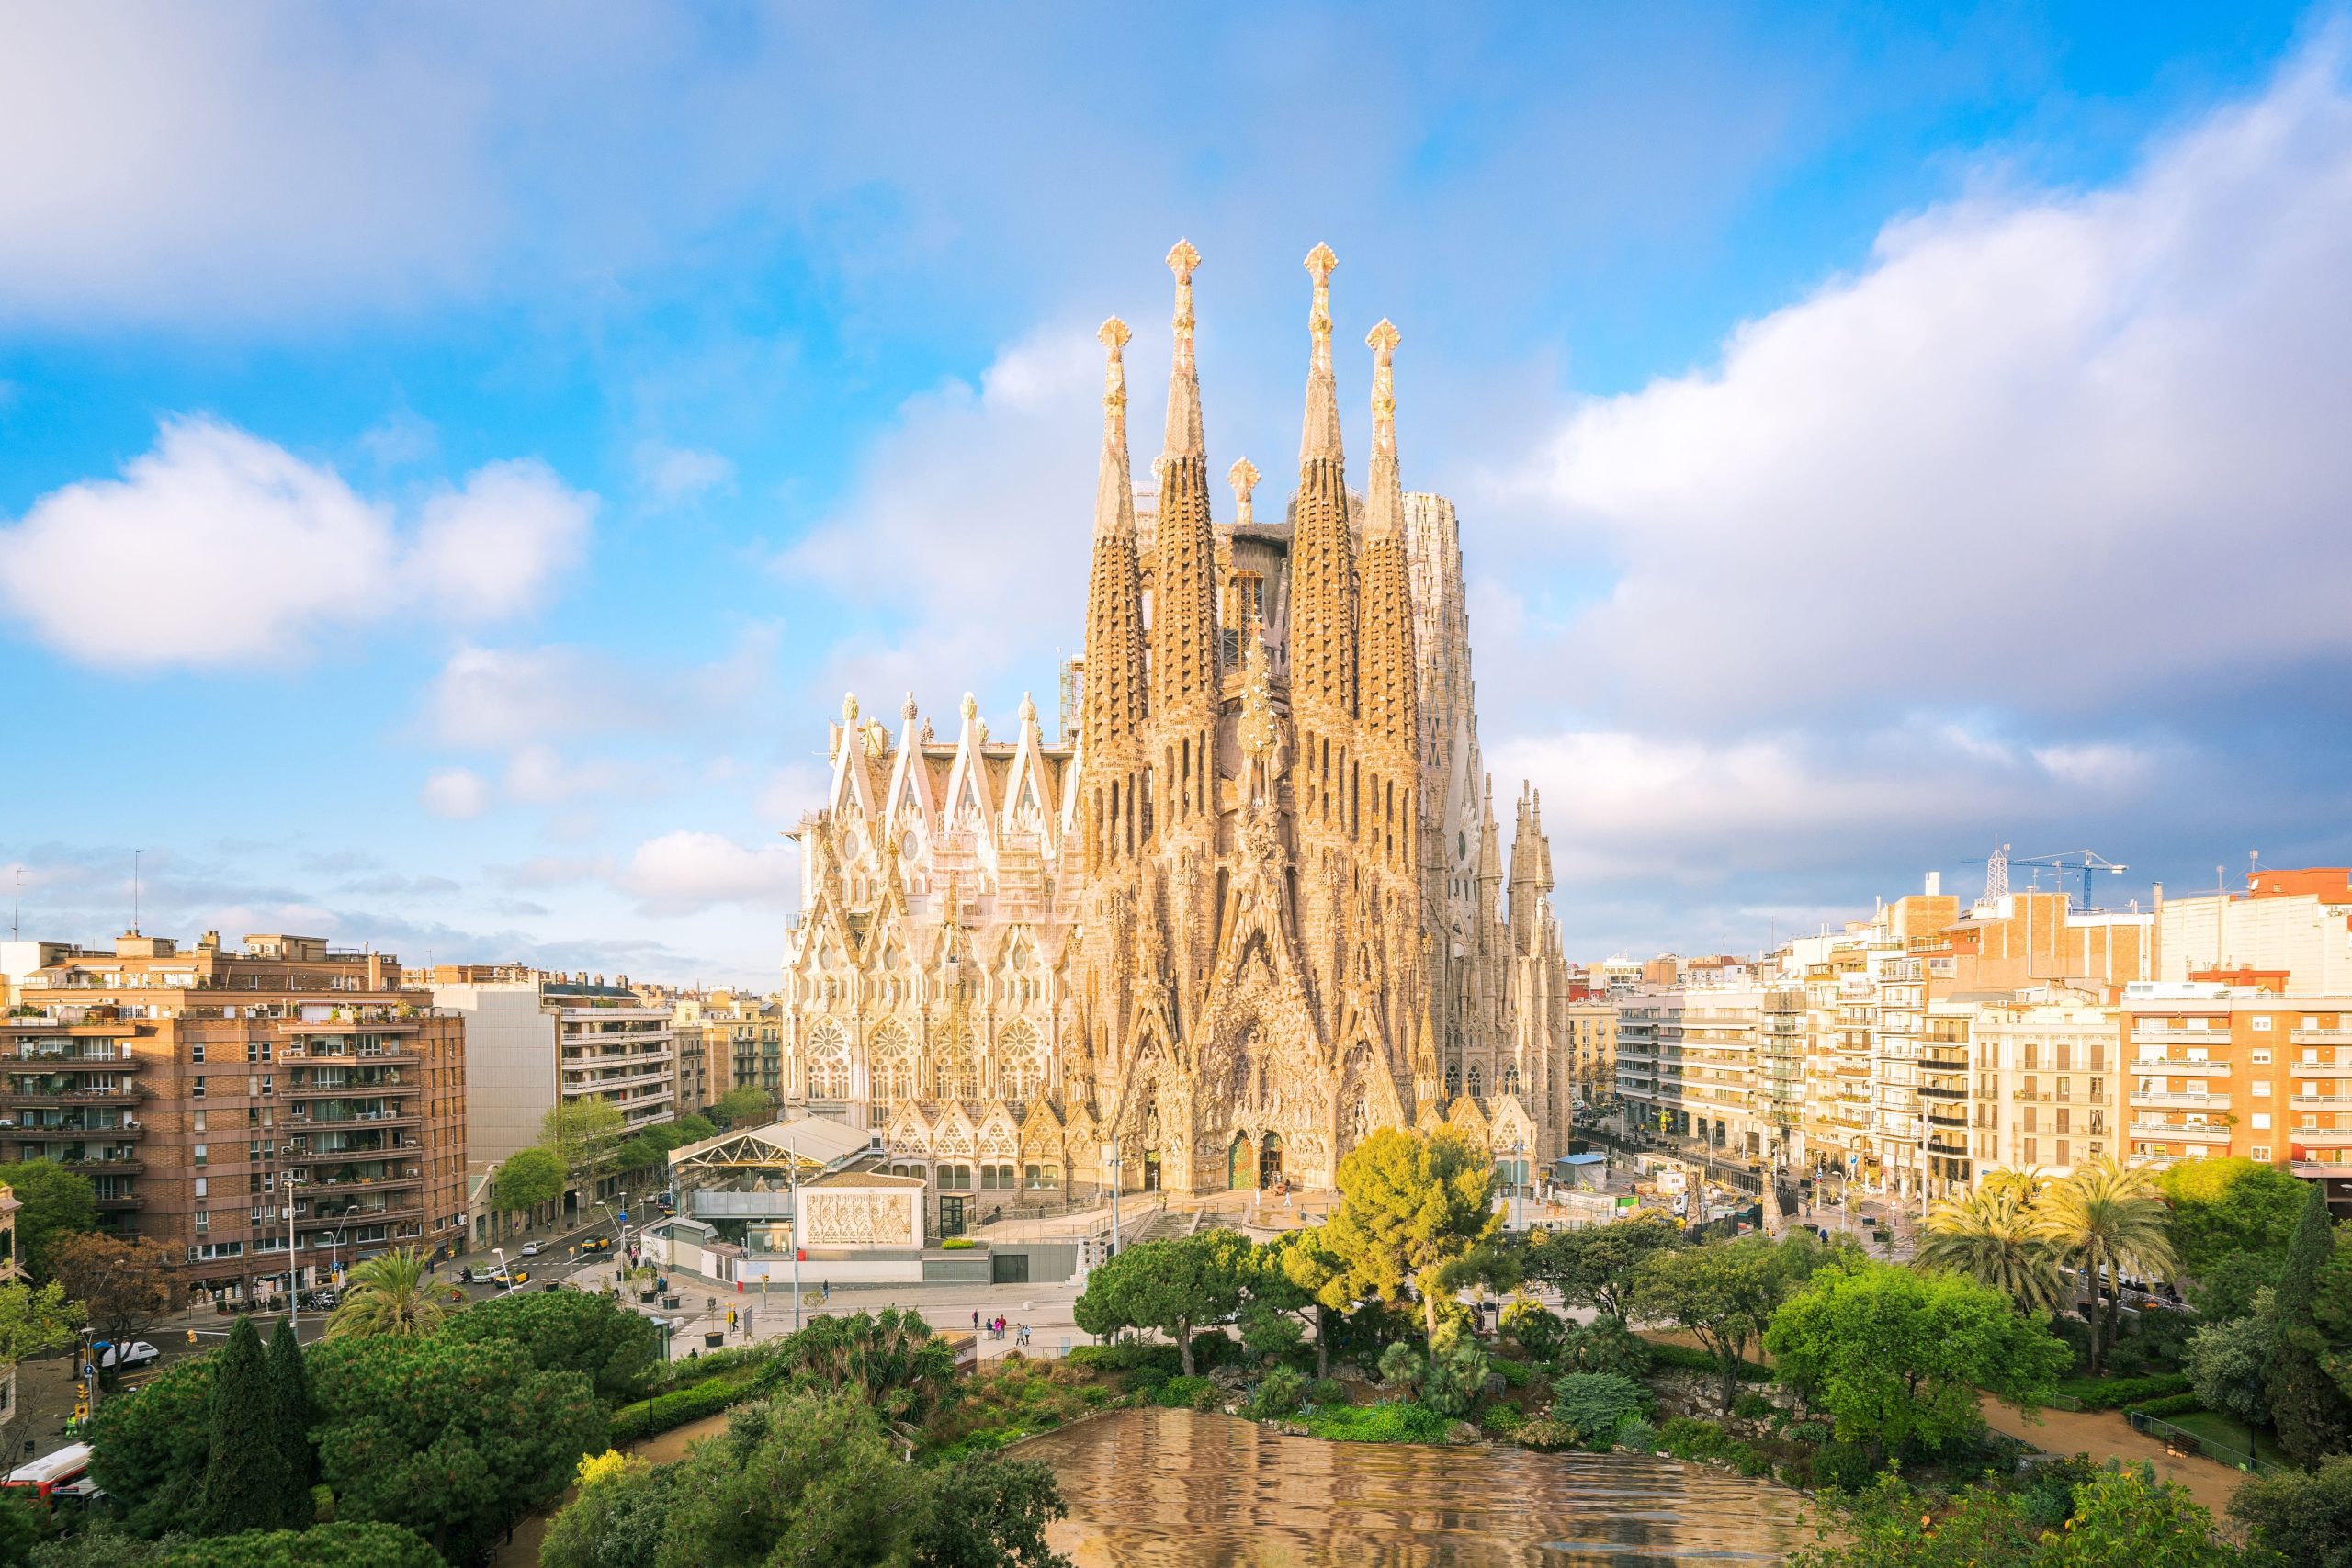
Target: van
<point x="67" y="1470"/>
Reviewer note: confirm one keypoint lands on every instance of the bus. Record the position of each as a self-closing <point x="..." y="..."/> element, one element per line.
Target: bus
<point x="65" y="1473"/>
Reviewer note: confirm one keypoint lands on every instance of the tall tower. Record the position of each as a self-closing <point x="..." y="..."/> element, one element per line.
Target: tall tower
<point x="1388" y="705"/>
<point x="1185" y="670"/>
<point x="1116" y="704"/>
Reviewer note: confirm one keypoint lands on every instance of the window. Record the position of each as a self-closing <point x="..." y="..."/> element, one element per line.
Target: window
<point x="956" y="1178"/>
<point x="202" y="1155"/>
<point x="2260" y="1151"/>
<point x="2262" y="1088"/>
<point x="203" y="1221"/>
<point x="2260" y="1025"/>
<point x="996" y="1178"/>
<point x="196" y="1053"/>
<point x="2261" y="1121"/>
<point x="195" y="1086"/>
<point x="1048" y="1177"/>
<point x="2261" y="1056"/>
<point x="2061" y="1153"/>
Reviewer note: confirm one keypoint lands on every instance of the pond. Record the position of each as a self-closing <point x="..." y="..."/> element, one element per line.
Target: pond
<point x="1177" y="1489"/>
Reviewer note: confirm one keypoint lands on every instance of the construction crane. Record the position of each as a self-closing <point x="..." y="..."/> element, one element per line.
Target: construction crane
<point x="2087" y="861"/>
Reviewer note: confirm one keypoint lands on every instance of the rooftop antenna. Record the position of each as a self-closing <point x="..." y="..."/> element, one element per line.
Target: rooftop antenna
<point x="134" y="890"/>
<point x="17" y="912"/>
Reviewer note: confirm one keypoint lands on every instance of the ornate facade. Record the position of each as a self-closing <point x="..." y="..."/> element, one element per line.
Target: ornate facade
<point x="1248" y="904"/>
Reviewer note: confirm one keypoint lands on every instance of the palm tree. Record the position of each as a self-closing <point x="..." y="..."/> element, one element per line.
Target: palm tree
<point x="2020" y="1184"/>
<point x="2107" y="1220"/>
<point x="390" y="1295"/>
<point x="1993" y="1237"/>
<point x="891" y="1361"/>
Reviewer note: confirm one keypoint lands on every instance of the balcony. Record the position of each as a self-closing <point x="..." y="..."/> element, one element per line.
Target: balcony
<point x="2319" y="1069"/>
<point x="1936" y="1120"/>
<point x="2321" y="1137"/>
<point x="2319" y="1036"/>
<point x="390" y="1118"/>
<point x="2318" y="1170"/>
<point x="2187" y="1102"/>
<point x="2319" y="1101"/>
<point x="347" y="1026"/>
<point x="2177" y="1132"/>
<point x="2165" y="1034"/>
<point x="331" y="1051"/>
<point x="118" y="1201"/>
<point x="1940" y="1092"/>
<point x="2165" y="1068"/>
<point x="18" y="1093"/>
<point x="104" y="1167"/>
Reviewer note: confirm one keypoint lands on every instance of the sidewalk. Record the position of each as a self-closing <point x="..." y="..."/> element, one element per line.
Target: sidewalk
<point x="2105" y="1434"/>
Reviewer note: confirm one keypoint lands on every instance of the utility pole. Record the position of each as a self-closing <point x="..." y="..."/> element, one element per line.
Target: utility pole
<point x="795" y="1168"/>
<point x="1114" y="1194"/>
<point x="293" y="1273"/>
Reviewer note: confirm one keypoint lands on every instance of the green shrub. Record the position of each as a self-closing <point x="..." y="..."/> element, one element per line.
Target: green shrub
<point x="1748" y="1460"/>
<point x="1326" y="1391"/>
<point x="1687" y="1437"/>
<point x="1280" y="1393"/>
<point x="1604" y="1345"/>
<point x="1635" y="1433"/>
<point x="1186" y="1394"/>
<point x="1400" y="1365"/>
<point x="958" y="1244"/>
<point x="1515" y="1375"/>
<point x="1535" y="1328"/>
<point x="1502" y="1420"/>
<point x="680" y="1405"/>
<point x="1815" y="1432"/>
<point x="1395" y="1422"/>
<point x="2115" y="1394"/>
<point x="1543" y="1432"/>
<point x="1591" y="1405"/>
<point x="2171" y="1405"/>
<point x="1689" y="1358"/>
<point x="1845" y="1466"/>
<point x="1752" y="1406"/>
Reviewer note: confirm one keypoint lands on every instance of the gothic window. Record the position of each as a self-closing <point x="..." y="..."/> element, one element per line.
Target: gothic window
<point x="1021" y="1074"/>
<point x="955" y="1072"/>
<point x="893" y="1058"/>
<point x="1453" y="1079"/>
<point x="1510" y="1078"/>
<point x="1477" y="1081"/>
<point x="829" y="1063"/>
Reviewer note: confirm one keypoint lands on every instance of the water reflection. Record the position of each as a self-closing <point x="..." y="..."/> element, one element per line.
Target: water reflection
<point x="1174" y="1489"/>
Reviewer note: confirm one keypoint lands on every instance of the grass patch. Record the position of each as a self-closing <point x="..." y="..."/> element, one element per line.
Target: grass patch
<point x="2114" y="1394"/>
<point x="1014" y="1398"/>
<point x="2231" y="1433"/>
<point x="1393" y="1423"/>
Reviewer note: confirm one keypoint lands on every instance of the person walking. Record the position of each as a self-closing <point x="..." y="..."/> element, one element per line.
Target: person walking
<point x="975" y="1320"/>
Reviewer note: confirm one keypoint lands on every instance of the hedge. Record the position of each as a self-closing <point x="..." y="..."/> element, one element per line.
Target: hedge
<point x="2171" y="1405"/>
<point x="1691" y="1359"/>
<point x="680" y="1405"/>
<point x="2114" y="1394"/>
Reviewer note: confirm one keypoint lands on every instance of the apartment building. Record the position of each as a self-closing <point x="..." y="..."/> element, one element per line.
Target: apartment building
<point x="2298" y="923"/>
<point x="233" y="1104"/>
<point x="1590" y="1030"/>
<point x="2046" y="1078"/>
<point x="2219" y="1069"/>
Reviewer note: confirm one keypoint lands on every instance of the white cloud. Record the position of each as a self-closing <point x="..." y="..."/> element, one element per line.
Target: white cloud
<point x="975" y="500"/>
<point x="2043" y="451"/>
<point x="684" y="871"/>
<point x="671" y="475"/>
<point x="500" y="698"/>
<point x="455" y="793"/>
<point x="791" y="790"/>
<point x="218" y="545"/>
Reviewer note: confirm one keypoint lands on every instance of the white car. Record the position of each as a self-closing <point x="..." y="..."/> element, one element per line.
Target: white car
<point x="533" y="1248"/>
<point x="138" y="1353"/>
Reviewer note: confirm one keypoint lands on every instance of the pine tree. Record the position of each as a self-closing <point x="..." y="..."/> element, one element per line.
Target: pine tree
<point x="291" y="1417"/>
<point x="244" y="1482"/>
<point x="2312" y="1415"/>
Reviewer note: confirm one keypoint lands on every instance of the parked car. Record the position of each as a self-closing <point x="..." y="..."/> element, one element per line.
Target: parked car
<point x="138" y="1353"/>
<point x="533" y="1248"/>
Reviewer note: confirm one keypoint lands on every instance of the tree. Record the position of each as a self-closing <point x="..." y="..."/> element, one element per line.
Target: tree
<point x="54" y="1202"/>
<point x="2118" y="1519"/>
<point x="815" y="1469"/>
<point x="1724" y="1294"/>
<point x="575" y="1331"/>
<point x="148" y="1448"/>
<point x="2305" y="1516"/>
<point x="890" y="1361"/>
<point x="124" y="1283"/>
<point x="1172" y="1285"/>
<point x="527" y="1181"/>
<point x="2228" y="1222"/>
<point x="1312" y="1268"/>
<point x="1895" y="1355"/>
<point x="989" y="1512"/>
<point x="2312" y="1415"/>
<point x="1412" y="1210"/>
<point x="746" y="1106"/>
<point x="33" y="1322"/>
<point x="454" y="1439"/>
<point x="328" y="1546"/>
<point x="1995" y="1238"/>
<point x="585" y="1136"/>
<point x="618" y="1518"/>
<point x="24" y="1524"/>
<point x="694" y="1128"/>
<point x="392" y="1295"/>
<point x="1595" y="1266"/>
<point x="290" y="1418"/>
<point x="246" y="1483"/>
<point x="2105" y="1220"/>
<point x="2226" y="1361"/>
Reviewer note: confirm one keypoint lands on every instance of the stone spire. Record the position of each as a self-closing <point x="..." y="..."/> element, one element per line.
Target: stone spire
<point x="1323" y="594"/>
<point x="1387" y="701"/>
<point x="1320" y="436"/>
<point x="1183" y="378"/>
<point x="1183" y="619"/>
<point x="1116" y="704"/>
<point x="1243" y="478"/>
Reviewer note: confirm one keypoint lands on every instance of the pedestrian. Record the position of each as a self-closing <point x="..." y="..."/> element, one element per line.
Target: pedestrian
<point x="975" y="1320"/>
<point x="829" y="1290"/>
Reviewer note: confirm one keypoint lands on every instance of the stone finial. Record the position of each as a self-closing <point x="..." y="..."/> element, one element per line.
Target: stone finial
<point x="849" y="708"/>
<point x="1113" y="336"/>
<point x="1319" y="262"/>
<point x="1028" y="708"/>
<point x="1382" y="340"/>
<point x="1183" y="378"/>
<point x="970" y="707"/>
<point x="907" y="708"/>
<point x="1243" y="476"/>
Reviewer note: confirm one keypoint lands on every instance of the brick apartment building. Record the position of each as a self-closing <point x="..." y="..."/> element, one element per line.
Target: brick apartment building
<point x="221" y="1101"/>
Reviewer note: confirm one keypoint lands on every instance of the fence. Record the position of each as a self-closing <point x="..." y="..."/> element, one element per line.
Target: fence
<point x="2183" y="1440"/>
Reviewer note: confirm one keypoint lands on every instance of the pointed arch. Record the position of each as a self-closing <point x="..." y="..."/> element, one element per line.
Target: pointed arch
<point x="828" y="1061"/>
<point x="1021" y="1062"/>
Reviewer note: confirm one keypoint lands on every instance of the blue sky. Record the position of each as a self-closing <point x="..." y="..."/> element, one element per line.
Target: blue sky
<point x="451" y="463"/>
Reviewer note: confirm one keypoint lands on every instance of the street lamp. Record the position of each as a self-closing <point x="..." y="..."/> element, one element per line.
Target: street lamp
<point x="1115" y="1185"/>
<point x="289" y="1181"/>
<point x="1517" y="1175"/>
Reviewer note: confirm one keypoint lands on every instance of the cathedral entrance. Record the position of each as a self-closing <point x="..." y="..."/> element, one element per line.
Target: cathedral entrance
<point x="1238" y="1175"/>
<point x="1269" y="1160"/>
<point x="1151" y="1170"/>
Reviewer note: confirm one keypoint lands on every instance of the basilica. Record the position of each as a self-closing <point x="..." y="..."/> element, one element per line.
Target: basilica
<point x="1247" y="904"/>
